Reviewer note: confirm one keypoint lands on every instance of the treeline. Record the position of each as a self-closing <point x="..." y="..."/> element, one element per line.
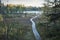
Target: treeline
<point x="10" y="8"/>
<point x="49" y="25"/>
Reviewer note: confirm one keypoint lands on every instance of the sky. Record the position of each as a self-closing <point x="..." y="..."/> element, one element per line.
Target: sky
<point x="37" y="3"/>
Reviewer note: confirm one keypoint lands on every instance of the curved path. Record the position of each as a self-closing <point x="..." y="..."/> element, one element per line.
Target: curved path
<point x="36" y="34"/>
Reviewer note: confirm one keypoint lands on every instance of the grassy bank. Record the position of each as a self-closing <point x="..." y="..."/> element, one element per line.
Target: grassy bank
<point x="16" y="28"/>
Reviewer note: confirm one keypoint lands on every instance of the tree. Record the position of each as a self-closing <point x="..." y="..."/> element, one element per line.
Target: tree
<point x="52" y="11"/>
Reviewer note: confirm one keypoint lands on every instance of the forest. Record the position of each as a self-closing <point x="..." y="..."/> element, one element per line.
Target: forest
<point x="49" y="23"/>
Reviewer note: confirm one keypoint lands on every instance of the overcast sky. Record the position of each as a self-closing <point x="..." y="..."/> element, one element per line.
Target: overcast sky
<point x="36" y="3"/>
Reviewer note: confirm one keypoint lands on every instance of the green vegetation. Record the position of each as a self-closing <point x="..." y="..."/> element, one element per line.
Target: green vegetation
<point x="12" y="29"/>
<point x="13" y="26"/>
<point x="1" y="17"/>
<point x="49" y="25"/>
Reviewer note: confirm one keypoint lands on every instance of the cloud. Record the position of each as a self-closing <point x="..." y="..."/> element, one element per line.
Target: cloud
<point x="25" y="2"/>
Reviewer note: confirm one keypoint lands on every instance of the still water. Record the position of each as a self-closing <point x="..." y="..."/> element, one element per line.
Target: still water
<point x="37" y="12"/>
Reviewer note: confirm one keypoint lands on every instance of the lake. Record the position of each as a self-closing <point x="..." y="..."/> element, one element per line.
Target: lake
<point x="37" y="12"/>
